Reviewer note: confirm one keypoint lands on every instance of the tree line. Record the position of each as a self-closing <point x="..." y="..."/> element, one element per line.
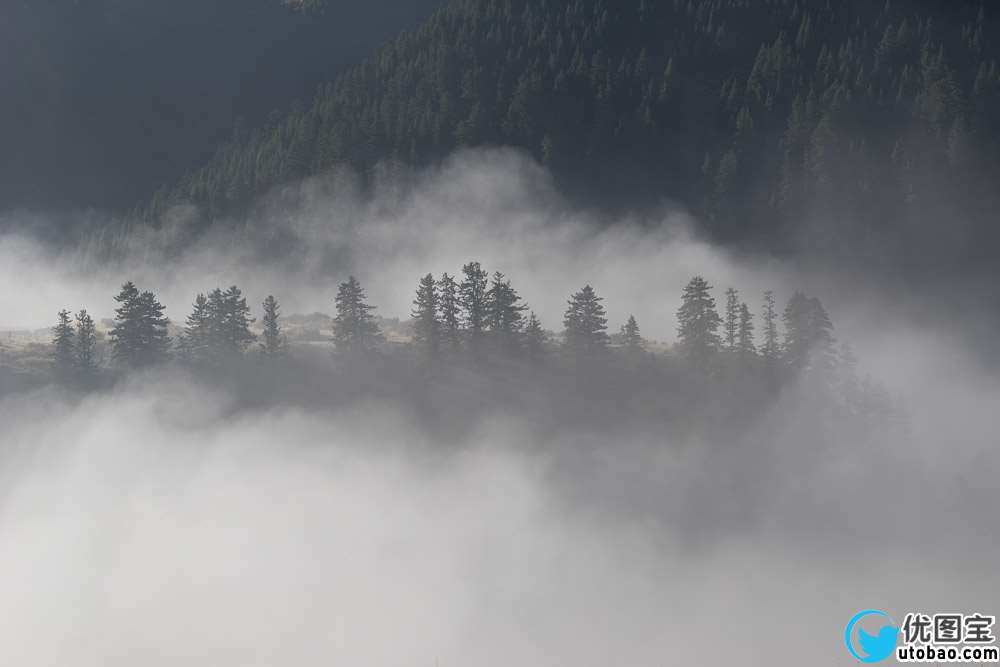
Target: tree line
<point x="474" y="313"/>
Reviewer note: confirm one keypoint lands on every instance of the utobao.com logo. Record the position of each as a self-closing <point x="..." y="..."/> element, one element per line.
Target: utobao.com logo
<point x="873" y="636"/>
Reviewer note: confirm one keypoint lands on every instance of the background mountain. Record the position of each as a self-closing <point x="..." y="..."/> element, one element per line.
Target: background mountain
<point x="869" y="125"/>
<point x="105" y="100"/>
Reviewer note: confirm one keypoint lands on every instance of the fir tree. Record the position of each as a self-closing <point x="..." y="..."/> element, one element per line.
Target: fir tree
<point x="63" y="345"/>
<point x="585" y="322"/>
<point x="230" y="320"/>
<point x="770" y="348"/>
<point x="196" y="339"/>
<point x="631" y="339"/>
<point x="449" y="309"/>
<point x="139" y="336"/>
<point x="274" y="344"/>
<point x="731" y="326"/>
<point x="744" y="338"/>
<point x="472" y="293"/>
<point x="698" y="322"/>
<point x="86" y="344"/>
<point x="354" y="327"/>
<point x="808" y="335"/>
<point x="536" y="341"/>
<point x="426" y="327"/>
<point x="503" y="312"/>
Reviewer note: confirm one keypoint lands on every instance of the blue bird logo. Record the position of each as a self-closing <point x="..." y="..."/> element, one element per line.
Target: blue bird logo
<point x="876" y="648"/>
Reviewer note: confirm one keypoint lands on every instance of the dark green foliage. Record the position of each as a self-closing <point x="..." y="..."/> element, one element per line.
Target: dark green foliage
<point x="426" y="326"/>
<point x="631" y="338"/>
<point x="698" y="322"/>
<point x="808" y="335"/>
<point x="449" y="311"/>
<point x="139" y="337"/>
<point x="85" y="353"/>
<point x="585" y="323"/>
<point x="744" y="336"/>
<point x="472" y="294"/>
<point x="503" y="313"/>
<point x="354" y="328"/>
<point x="770" y="347"/>
<point x="63" y="345"/>
<point x="756" y="114"/>
<point x="274" y="344"/>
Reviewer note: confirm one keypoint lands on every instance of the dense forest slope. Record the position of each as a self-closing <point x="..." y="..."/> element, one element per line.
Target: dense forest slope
<point x="875" y="119"/>
<point x="105" y="100"/>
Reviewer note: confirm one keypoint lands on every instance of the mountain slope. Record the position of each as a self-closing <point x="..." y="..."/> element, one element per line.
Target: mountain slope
<point x="759" y="114"/>
<point x="104" y="100"/>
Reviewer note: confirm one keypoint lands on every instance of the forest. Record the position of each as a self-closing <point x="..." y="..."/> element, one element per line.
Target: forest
<point x="857" y="125"/>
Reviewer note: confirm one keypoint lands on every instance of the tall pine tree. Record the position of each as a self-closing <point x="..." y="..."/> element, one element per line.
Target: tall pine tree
<point x="354" y="327"/>
<point x="472" y="291"/>
<point x="274" y="344"/>
<point x="449" y="310"/>
<point x="426" y="327"/>
<point x="698" y="322"/>
<point x="585" y="322"/>
<point x="85" y="357"/>
<point x="139" y="336"/>
<point x="63" y="345"/>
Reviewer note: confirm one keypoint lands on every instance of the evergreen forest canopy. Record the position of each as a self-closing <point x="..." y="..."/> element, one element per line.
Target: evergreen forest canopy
<point x="866" y="125"/>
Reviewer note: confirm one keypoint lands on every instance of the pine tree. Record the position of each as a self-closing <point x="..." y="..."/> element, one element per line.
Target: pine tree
<point x="63" y="345"/>
<point x="472" y="293"/>
<point x="631" y="339"/>
<point x="698" y="322"/>
<point x="503" y="312"/>
<point x="585" y="322"/>
<point x="426" y="327"/>
<point x="86" y="344"/>
<point x="354" y="327"/>
<point x="732" y="321"/>
<point x="536" y="341"/>
<point x="230" y="321"/>
<point x="808" y="335"/>
<point x="196" y="339"/>
<point x="744" y="338"/>
<point x="139" y="337"/>
<point x="770" y="348"/>
<point x="274" y="344"/>
<point x="449" y="310"/>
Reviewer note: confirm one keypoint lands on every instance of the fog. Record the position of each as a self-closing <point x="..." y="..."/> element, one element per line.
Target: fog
<point x="171" y="519"/>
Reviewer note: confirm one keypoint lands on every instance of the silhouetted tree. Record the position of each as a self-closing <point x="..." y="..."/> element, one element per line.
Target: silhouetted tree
<point x="85" y="357"/>
<point x="230" y="320"/>
<point x="354" y="327"/>
<point x="631" y="338"/>
<point x="536" y="341"/>
<point x="274" y="344"/>
<point x="426" y="327"/>
<point x="744" y="335"/>
<point x="585" y="322"/>
<point x="698" y="322"/>
<point x="472" y="293"/>
<point x="808" y="334"/>
<point x="63" y="346"/>
<point x="731" y="326"/>
<point x="503" y="312"/>
<point x="770" y="348"/>
<point x="139" y="336"/>
<point x="449" y="309"/>
<point x="196" y="339"/>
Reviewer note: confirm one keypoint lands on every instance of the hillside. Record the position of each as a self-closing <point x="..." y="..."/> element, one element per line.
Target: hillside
<point x="105" y="100"/>
<point x="863" y="120"/>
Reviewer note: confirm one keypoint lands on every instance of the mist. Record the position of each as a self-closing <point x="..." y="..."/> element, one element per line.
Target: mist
<point x="180" y="518"/>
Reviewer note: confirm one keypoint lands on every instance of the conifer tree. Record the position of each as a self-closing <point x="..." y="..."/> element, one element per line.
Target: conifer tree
<point x="426" y="327"/>
<point x="472" y="293"/>
<point x="196" y="339"/>
<point x="85" y="357"/>
<point x="139" y="336"/>
<point x="770" y="348"/>
<point x="731" y="326"/>
<point x="229" y="317"/>
<point x="744" y="338"/>
<point x="808" y="335"/>
<point x="631" y="338"/>
<point x="503" y="312"/>
<point x="354" y="327"/>
<point x="449" y="310"/>
<point x="585" y="322"/>
<point x="274" y="344"/>
<point x="536" y="341"/>
<point x="698" y="322"/>
<point x="63" y="345"/>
